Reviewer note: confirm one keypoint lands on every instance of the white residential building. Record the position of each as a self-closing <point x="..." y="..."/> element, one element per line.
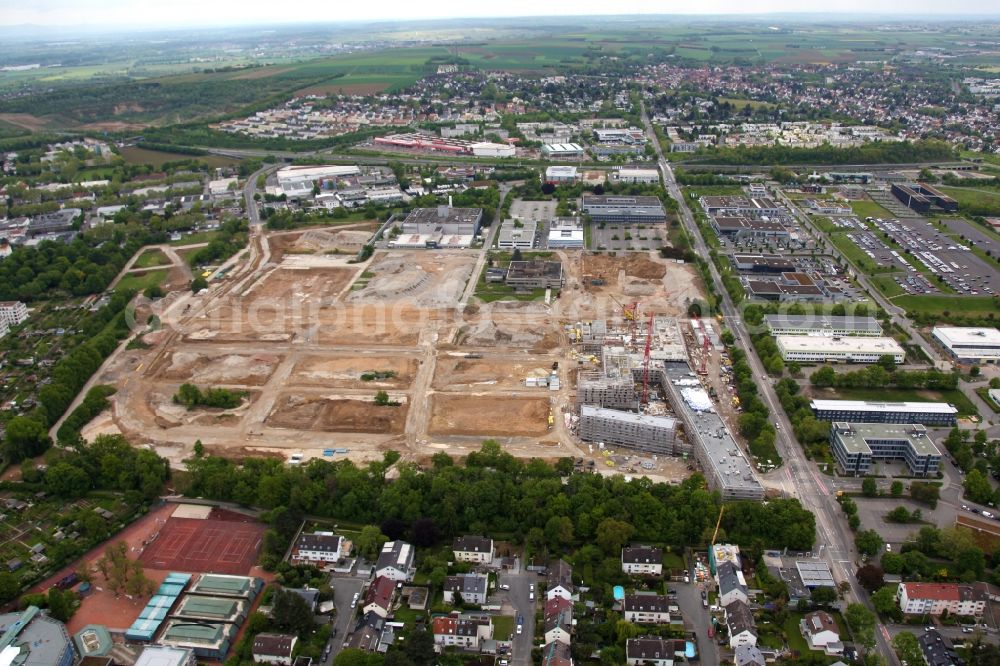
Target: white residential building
<point x="274" y="648"/>
<point x="317" y="548"/>
<point x="646" y="609"/>
<point x="821" y="633"/>
<point x="396" y="561"/>
<point x="478" y="550"/>
<point x="936" y="598"/>
<point x="642" y="561"/>
<point x="12" y="313"/>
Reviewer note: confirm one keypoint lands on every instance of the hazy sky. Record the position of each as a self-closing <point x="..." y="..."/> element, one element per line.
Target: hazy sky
<point x="165" y="13"/>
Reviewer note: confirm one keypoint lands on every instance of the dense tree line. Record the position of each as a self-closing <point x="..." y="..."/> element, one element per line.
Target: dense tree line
<point x="498" y="494"/>
<point x="812" y="433"/>
<point x="879" y="152"/>
<point x="78" y="268"/>
<point x="231" y="239"/>
<point x="191" y="396"/>
<point x="877" y="376"/>
<point x="95" y="402"/>
<point x="108" y="463"/>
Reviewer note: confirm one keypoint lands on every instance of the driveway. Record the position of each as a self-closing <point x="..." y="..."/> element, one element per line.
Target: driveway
<point x="697" y="618"/>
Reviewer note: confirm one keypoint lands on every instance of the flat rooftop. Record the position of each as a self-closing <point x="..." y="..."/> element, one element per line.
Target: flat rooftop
<point x="871" y="406"/>
<point x="520" y="270"/>
<point x="443" y="215"/>
<point x="628" y="417"/>
<point x="855" y="436"/>
<point x="968" y="335"/>
<point x="815" y="573"/>
<point x="823" y="343"/>
<point x="619" y="200"/>
<point x="823" y="323"/>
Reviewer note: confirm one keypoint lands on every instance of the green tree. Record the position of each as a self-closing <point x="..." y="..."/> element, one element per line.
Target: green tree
<point x="868" y="542"/>
<point x="369" y="541"/>
<point x="290" y="612"/>
<point x="884" y="600"/>
<point x="823" y="377"/>
<point x="896" y="489"/>
<point x="60" y="604"/>
<point x="9" y="587"/>
<point x="892" y="563"/>
<point x="381" y="398"/>
<point x="356" y="657"/>
<point x="899" y="515"/>
<point x="978" y="487"/>
<point x="66" y="480"/>
<point x="907" y="648"/>
<point x="198" y="283"/>
<point x="862" y="624"/>
<point x="869" y="487"/>
<point x="822" y="596"/>
<point x="871" y="577"/>
<point x="25" y="438"/>
<point x="613" y="534"/>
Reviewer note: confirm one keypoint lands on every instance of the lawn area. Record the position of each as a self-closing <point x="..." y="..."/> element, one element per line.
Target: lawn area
<point x="503" y="626"/>
<point x="888" y="394"/>
<point x="407" y="615"/>
<point x="496" y="291"/>
<point x="151" y="258"/>
<point x="693" y="192"/>
<point x="136" y="155"/>
<point x="793" y="635"/>
<point x="984" y="393"/>
<point x="824" y="224"/>
<point x="960" y="305"/>
<point x="870" y="209"/>
<point x="196" y="237"/>
<point x="981" y="200"/>
<point x="139" y="281"/>
<point x="856" y="255"/>
<point x="672" y="561"/>
<point x="887" y="285"/>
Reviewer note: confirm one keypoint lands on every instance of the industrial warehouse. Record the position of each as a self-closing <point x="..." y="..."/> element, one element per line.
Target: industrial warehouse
<point x="417" y="141"/>
<point x="968" y="344"/>
<point x="443" y="227"/>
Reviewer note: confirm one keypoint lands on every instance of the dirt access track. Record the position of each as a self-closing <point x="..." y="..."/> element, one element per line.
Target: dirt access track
<point x="311" y="338"/>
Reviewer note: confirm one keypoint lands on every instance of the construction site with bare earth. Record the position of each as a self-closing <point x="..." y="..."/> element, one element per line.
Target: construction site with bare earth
<point x="337" y="358"/>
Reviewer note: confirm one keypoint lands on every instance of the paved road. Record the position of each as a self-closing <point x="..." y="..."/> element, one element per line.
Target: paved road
<point x="344" y="588"/>
<point x="519" y="590"/>
<point x="801" y="478"/>
<point x="689" y="601"/>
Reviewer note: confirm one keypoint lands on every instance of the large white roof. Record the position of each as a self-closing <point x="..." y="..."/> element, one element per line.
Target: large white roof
<point x="822" y="343"/>
<point x="869" y="406"/>
<point x="967" y="335"/>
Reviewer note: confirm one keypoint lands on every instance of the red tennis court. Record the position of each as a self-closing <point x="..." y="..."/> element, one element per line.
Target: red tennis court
<point x="204" y="546"/>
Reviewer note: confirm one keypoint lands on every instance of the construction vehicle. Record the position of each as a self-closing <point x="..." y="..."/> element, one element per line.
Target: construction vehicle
<point x="736" y="401"/>
<point x="718" y="522"/>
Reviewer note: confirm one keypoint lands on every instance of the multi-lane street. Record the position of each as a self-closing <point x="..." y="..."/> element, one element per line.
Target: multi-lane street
<point x="798" y="477"/>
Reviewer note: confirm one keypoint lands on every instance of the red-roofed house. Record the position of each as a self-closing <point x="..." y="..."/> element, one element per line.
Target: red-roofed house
<point x="558" y="620"/>
<point x="936" y="598"/>
<point x="378" y="598"/>
<point x="453" y="630"/>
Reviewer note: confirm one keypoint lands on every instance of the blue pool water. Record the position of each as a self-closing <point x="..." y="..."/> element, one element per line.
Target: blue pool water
<point x="689" y="650"/>
<point x="619" y="592"/>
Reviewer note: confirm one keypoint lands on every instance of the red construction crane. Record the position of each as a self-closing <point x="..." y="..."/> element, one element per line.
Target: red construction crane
<point x="645" y="363"/>
<point x="706" y="349"/>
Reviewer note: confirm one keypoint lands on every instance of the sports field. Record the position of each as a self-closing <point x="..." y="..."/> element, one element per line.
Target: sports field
<point x="219" y="544"/>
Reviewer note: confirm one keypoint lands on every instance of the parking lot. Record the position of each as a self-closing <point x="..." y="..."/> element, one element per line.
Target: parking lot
<point x="974" y="233"/>
<point x="960" y="269"/>
<point x="540" y="211"/>
<point x="628" y="237"/>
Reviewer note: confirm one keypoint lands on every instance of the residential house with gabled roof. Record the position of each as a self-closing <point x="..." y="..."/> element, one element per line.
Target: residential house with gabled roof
<point x="470" y="588"/>
<point x="559" y="581"/>
<point x="642" y="561"/>
<point x="821" y="632"/>
<point x="652" y="651"/>
<point x="556" y="653"/>
<point x="456" y="631"/>
<point x="475" y="549"/>
<point x="646" y="609"/>
<point x="379" y="596"/>
<point x="558" y="616"/>
<point x="732" y="584"/>
<point x="749" y="655"/>
<point x="395" y="561"/>
<point x="273" y="648"/>
<point x="741" y="625"/>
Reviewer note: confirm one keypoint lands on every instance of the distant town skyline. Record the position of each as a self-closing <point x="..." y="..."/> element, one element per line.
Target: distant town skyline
<point x="194" y="13"/>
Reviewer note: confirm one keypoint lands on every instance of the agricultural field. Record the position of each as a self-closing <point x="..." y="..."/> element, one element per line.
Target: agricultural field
<point x="975" y="201"/>
<point x="137" y="155"/>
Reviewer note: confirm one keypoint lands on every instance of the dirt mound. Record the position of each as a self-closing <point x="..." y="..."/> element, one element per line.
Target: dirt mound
<point x="326" y="414"/>
<point x="643" y="267"/>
